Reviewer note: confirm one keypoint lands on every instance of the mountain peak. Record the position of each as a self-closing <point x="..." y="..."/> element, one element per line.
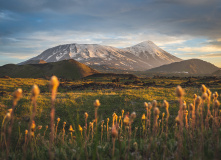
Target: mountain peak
<point x="146" y="42"/>
<point x="142" y="56"/>
<point x="147" y="45"/>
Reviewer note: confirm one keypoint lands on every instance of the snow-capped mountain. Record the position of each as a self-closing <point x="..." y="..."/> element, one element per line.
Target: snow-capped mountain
<point x="151" y="53"/>
<point x="140" y="57"/>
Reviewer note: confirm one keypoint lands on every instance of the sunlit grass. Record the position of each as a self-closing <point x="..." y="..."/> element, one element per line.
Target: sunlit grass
<point x="148" y="134"/>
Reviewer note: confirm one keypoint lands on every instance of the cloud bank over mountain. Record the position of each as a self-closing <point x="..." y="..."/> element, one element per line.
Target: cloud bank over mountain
<point x="28" y="26"/>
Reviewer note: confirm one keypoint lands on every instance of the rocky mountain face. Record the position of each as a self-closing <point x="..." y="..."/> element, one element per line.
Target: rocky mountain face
<point x="140" y="57"/>
<point x="151" y="53"/>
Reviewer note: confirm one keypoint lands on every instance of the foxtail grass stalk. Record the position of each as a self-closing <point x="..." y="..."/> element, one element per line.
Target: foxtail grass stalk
<point x="56" y="129"/>
<point x="102" y="130"/>
<point x="16" y="97"/>
<point x="147" y="115"/>
<point x="149" y="120"/>
<point x="34" y="94"/>
<point x="132" y="117"/>
<point x="54" y="83"/>
<point x="108" y="129"/>
<point x="155" y="122"/>
<point x="180" y="94"/>
<point x="96" y="105"/>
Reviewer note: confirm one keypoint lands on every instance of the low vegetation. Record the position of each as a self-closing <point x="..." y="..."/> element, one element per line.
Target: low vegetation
<point x="133" y="119"/>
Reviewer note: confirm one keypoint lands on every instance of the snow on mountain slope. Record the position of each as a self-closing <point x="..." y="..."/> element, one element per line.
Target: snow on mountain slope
<point x="140" y="57"/>
<point x="150" y="52"/>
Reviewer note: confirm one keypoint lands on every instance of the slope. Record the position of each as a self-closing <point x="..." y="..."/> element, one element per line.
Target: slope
<point x="191" y="66"/>
<point x="69" y="69"/>
<point x="140" y="57"/>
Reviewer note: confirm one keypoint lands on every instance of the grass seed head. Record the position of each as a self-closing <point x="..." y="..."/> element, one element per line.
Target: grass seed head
<point x="216" y="95"/>
<point x="133" y="115"/>
<point x="126" y="120"/>
<point x="156" y="111"/>
<point x="8" y="115"/>
<point x="33" y="126"/>
<point x="114" y="132"/>
<point x="154" y="103"/>
<point x="203" y="88"/>
<point x="40" y="127"/>
<point x="149" y="106"/>
<point x="96" y="103"/>
<point x="179" y="92"/>
<point x="80" y="128"/>
<point x="177" y="120"/>
<point x="198" y="100"/>
<point x="26" y="131"/>
<point x="71" y="129"/>
<point x="216" y="104"/>
<point x="191" y="107"/>
<point x="10" y="110"/>
<point x="85" y="115"/>
<point x="194" y="96"/>
<point x="58" y="119"/>
<point x="165" y="104"/>
<point x="54" y="83"/>
<point x="163" y="114"/>
<point x="17" y="94"/>
<point x="143" y="118"/>
<point x="204" y="96"/>
<point x="184" y="106"/>
<point x="208" y="92"/>
<point x="145" y="105"/>
<point x="35" y="91"/>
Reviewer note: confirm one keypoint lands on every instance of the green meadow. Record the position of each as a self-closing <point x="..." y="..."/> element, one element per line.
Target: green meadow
<point x="184" y="133"/>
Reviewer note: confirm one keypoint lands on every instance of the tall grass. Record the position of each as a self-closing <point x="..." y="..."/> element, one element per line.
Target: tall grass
<point x="193" y="133"/>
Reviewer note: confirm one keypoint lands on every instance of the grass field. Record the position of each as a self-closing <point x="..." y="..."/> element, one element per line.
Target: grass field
<point x="175" y="139"/>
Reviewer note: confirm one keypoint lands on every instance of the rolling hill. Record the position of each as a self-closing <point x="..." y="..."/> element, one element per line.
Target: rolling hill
<point x="69" y="69"/>
<point x="217" y="73"/>
<point x="191" y="66"/>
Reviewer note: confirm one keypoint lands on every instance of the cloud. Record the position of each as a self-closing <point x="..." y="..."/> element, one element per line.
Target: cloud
<point x="20" y="56"/>
<point x="200" y="49"/>
<point x="210" y="55"/>
<point x="170" y="17"/>
<point x="186" y="54"/>
<point x="215" y="43"/>
<point x="36" y="42"/>
<point x="28" y="26"/>
<point x="188" y="2"/>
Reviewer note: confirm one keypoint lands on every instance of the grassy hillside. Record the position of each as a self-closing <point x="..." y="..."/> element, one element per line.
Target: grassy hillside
<point x="192" y="66"/>
<point x="217" y="73"/>
<point x="69" y="69"/>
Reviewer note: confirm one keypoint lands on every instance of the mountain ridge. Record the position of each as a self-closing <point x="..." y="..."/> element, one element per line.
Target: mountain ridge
<point x="96" y="54"/>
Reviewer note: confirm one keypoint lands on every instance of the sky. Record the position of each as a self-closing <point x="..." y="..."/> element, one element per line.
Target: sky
<point x="185" y="28"/>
